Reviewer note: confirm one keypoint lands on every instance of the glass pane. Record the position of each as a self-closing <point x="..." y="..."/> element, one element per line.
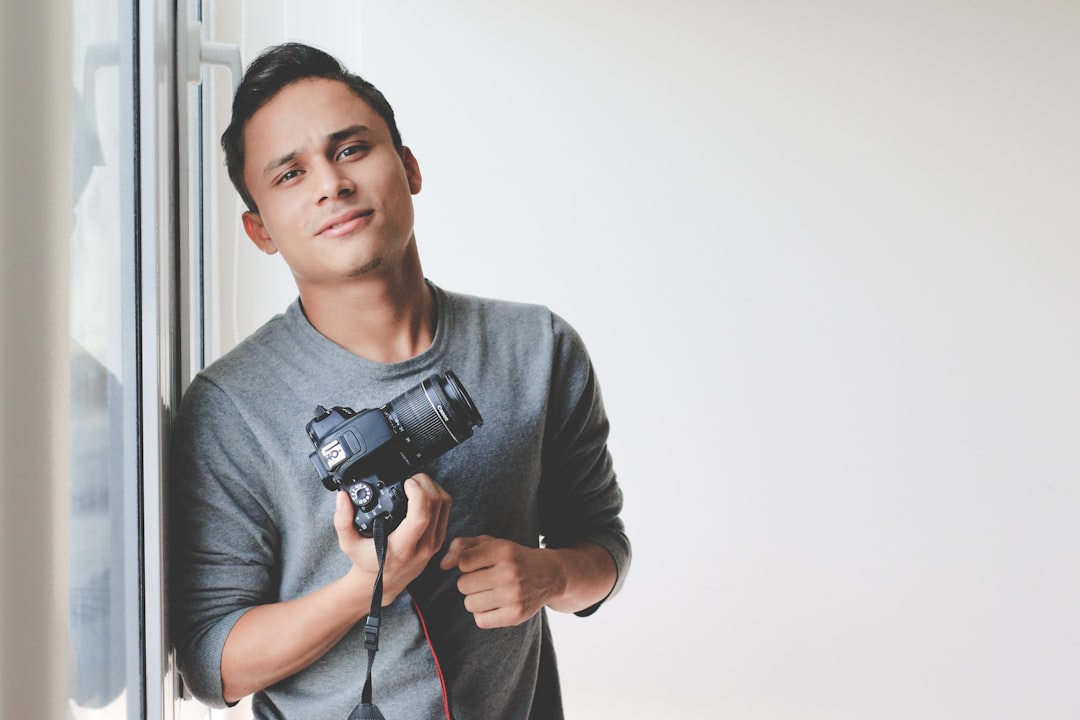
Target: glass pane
<point x="105" y="652"/>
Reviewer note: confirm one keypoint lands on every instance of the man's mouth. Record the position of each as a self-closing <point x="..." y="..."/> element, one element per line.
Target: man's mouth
<point x="344" y="223"/>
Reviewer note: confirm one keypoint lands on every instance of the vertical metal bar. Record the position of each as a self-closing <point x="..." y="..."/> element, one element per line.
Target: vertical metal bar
<point x="160" y="177"/>
<point x="131" y="310"/>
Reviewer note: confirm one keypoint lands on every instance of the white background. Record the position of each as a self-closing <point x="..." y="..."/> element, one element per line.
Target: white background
<point x="825" y="257"/>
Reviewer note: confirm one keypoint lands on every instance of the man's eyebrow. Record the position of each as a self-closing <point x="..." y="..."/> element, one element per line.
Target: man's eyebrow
<point x="348" y="133"/>
<point x="334" y="137"/>
<point x="285" y="159"/>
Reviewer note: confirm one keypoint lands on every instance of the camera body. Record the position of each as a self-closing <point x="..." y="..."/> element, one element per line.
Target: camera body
<point x="370" y="453"/>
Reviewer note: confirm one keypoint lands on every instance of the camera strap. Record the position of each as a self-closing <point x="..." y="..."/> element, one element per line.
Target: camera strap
<point x="366" y="709"/>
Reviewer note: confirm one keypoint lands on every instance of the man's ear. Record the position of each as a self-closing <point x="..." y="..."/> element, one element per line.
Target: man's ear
<point x="412" y="170"/>
<point x="256" y="230"/>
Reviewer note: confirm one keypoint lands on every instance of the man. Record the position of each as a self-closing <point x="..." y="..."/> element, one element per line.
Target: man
<point x="268" y="598"/>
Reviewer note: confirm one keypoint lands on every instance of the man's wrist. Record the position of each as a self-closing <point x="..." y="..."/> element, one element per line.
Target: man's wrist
<point x="586" y="575"/>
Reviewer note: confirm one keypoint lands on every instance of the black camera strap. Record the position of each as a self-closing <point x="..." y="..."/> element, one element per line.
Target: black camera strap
<point x="366" y="709"/>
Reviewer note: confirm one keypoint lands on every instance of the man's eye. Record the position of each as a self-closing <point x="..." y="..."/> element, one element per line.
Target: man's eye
<point x="352" y="150"/>
<point x="288" y="176"/>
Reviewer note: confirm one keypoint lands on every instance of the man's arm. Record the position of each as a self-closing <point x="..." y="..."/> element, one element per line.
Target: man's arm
<point x="271" y="642"/>
<point x="585" y="550"/>
<point x="505" y="583"/>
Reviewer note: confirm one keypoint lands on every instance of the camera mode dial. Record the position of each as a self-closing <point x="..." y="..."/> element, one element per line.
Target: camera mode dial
<point x="362" y="495"/>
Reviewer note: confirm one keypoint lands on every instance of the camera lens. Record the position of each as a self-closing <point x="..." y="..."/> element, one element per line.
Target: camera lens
<point x="458" y="398"/>
<point x="437" y="415"/>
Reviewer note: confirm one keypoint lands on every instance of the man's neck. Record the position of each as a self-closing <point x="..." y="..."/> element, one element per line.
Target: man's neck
<point x="380" y="321"/>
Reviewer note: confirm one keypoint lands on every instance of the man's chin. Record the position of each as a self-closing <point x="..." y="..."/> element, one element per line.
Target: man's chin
<point x="368" y="268"/>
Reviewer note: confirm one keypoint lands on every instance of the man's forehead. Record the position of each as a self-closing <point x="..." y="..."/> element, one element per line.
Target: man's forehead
<point x="298" y="102"/>
<point x="307" y="112"/>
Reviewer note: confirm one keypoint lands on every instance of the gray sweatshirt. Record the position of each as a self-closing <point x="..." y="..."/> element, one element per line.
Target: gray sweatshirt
<point x="250" y="522"/>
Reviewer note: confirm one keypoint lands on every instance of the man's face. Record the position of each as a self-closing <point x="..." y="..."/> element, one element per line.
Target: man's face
<point x="334" y="196"/>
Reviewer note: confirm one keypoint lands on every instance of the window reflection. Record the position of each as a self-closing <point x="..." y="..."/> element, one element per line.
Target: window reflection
<point x="97" y="552"/>
<point x="103" y="637"/>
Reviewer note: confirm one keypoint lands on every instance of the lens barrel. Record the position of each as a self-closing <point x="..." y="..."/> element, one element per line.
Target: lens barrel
<point x="436" y="415"/>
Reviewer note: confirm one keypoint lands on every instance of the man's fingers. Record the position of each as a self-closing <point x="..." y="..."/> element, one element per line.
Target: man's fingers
<point x="359" y="549"/>
<point x="343" y="514"/>
<point x="466" y="553"/>
<point x="444" y="518"/>
<point x="429" y="510"/>
<point x="450" y="559"/>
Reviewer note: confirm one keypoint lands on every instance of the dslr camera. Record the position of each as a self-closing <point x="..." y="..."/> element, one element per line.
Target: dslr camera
<point x="370" y="453"/>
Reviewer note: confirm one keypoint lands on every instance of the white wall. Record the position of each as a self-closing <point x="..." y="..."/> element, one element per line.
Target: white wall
<point x="825" y="256"/>
<point x="35" y="431"/>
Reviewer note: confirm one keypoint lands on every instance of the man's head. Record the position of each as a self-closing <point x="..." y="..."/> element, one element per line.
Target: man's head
<point x="274" y="69"/>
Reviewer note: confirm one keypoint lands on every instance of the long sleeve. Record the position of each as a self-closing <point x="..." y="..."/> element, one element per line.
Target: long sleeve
<point x="580" y="499"/>
<point x="222" y="539"/>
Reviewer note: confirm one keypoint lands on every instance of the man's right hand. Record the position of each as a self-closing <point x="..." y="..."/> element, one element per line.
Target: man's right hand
<point x="271" y="642"/>
<point x="410" y="547"/>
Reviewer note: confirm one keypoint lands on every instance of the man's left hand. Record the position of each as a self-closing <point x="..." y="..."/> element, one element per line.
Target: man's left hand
<point x="504" y="583"/>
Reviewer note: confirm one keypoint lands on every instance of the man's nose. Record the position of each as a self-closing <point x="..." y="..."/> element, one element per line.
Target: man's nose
<point x="333" y="183"/>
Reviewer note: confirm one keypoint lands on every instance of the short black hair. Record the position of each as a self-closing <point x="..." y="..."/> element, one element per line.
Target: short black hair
<point x="277" y="67"/>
